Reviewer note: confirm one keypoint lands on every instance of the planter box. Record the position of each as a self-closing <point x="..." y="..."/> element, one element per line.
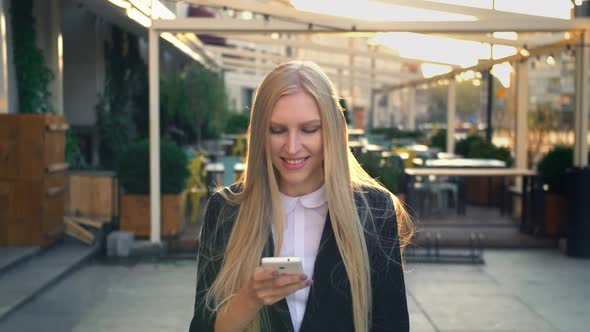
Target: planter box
<point x="32" y="179"/>
<point x="478" y="190"/>
<point x="92" y="194"/>
<point x="555" y="214"/>
<point x="135" y="214"/>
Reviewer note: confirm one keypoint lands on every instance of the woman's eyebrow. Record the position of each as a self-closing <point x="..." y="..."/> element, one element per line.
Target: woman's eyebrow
<point x="307" y="123"/>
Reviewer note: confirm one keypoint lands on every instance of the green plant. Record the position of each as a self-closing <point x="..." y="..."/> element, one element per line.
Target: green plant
<point x="394" y="133"/>
<point x="74" y="157"/>
<point x="553" y="165"/>
<point x="463" y="147"/>
<point x="207" y="101"/>
<point x="486" y="150"/>
<point x="32" y="74"/>
<point x="370" y="163"/>
<point x="475" y="146"/>
<point x="392" y="169"/>
<point x="123" y="101"/>
<point x="388" y="170"/>
<point x="237" y="123"/>
<point x="342" y="103"/>
<point x="133" y="168"/>
<point x="439" y="140"/>
<point x="175" y="113"/>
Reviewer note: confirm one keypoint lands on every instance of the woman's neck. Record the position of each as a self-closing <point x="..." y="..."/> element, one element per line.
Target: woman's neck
<point x="296" y="191"/>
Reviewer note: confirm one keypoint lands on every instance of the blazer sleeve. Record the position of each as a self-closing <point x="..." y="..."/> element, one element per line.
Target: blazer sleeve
<point x="390" y="308"/>
<point x="209" y="257"/>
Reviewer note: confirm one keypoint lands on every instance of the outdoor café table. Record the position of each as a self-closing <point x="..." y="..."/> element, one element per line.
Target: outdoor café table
<point x="467" y="163"/>
<point x="532" y="188"/>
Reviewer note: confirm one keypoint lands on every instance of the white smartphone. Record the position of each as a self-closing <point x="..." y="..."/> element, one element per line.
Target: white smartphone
<point x="285" y="265"/>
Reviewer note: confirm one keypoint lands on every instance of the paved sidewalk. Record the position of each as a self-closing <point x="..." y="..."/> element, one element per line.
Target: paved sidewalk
<point x="516" y="290"/>
<point x="26" y="272"/>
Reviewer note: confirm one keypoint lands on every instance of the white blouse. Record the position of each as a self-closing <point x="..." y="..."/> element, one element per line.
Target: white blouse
<point x="305" y="217"/>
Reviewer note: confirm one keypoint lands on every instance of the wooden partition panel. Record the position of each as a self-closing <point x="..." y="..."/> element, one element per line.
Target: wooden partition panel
<point x="32" y="179"/>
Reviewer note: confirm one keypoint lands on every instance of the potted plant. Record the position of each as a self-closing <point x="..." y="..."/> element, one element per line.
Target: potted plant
<point x="552" y="169"/>
<point x="484" y="190"/>
<point x="386" y="168"/>
<point x="90" y="192"/>
<point x="133" y="172"/>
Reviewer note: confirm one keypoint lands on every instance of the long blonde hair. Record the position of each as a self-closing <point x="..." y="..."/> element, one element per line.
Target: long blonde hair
<point x="259" y="200"/>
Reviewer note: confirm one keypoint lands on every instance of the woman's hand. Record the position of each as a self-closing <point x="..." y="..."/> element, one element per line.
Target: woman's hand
<point x="268" y="287"/>
<point x="265" y="287"/>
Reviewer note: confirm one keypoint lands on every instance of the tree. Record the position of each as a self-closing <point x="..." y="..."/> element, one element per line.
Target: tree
<point x="207" y="101"/>
<point x="237" y="123"/>
<point x="468" y="101"/>
<point x="117" y="107"/>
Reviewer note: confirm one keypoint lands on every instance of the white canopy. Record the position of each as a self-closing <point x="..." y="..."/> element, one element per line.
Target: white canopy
<point x="363" y="54"/>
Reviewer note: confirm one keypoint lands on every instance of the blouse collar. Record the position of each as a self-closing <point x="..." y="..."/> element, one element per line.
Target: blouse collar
<point x="312" y="200"/>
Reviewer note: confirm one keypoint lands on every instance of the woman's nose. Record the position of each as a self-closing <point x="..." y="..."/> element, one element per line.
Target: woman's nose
<point x="293" y="143"/>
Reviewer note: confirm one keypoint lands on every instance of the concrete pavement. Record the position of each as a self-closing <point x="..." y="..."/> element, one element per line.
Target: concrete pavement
<point x="516" y="290"/>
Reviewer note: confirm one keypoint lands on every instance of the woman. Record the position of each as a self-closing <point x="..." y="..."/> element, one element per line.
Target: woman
<point x="302" y="194"/>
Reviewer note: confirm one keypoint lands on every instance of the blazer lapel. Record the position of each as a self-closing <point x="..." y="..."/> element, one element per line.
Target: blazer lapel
<point x="280" y="317"/>
<point x="329" y="303"/>
<point x="327" y="296"/>
<point x="310" y="305"/>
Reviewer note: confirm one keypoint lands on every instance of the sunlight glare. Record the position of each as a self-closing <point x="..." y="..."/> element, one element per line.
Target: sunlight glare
<point x="431" y="70"/>
<point x="431" y="48"/>
<point x="485" y="4"/>
<point x="502" y="51"/>
<point x="375" y="11"/>
<point x="508" y="35"/>
<point x="548" y="8"/>
<point x="502" y="72"/>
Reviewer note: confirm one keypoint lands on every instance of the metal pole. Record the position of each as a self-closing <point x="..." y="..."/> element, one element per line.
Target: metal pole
<point x="54" y="57"/>
<point x="4" y="86"/>
<point x="369" y="123"/>
<point x="352" y="82"/>
<point x="154" y="68"/>
<point x="451" y="110"/>
<point x="489" y="105"/>
<point x="521" y="110"/>
<point x="411" y="108"/>
<point x="582" y="102"/>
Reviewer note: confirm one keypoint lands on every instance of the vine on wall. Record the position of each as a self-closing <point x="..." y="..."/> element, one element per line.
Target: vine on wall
<point x="32" y="74"/>
<point x="124" y="95"/>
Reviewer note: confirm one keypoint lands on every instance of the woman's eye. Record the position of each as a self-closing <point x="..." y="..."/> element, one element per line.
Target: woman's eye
<point x="276" y="130"/>
<point x="310" y="130"/>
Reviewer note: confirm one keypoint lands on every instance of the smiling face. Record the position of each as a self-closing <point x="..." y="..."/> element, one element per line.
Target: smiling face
<point x="296" y="146"/>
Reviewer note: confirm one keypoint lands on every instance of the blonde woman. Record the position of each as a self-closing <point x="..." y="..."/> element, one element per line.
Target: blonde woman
<point x="302" y="194"/>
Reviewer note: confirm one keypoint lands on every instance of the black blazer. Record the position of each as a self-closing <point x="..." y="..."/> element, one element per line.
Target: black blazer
<point x="329" y="305"/>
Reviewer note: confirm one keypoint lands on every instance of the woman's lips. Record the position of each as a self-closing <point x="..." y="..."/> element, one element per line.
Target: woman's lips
<point x="294" y="163"/>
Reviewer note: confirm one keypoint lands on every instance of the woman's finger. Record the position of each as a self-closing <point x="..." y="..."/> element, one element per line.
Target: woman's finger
<point x="284" y="291"/>
<point x="280" y="281"/>
<point x="261" y="274"/>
